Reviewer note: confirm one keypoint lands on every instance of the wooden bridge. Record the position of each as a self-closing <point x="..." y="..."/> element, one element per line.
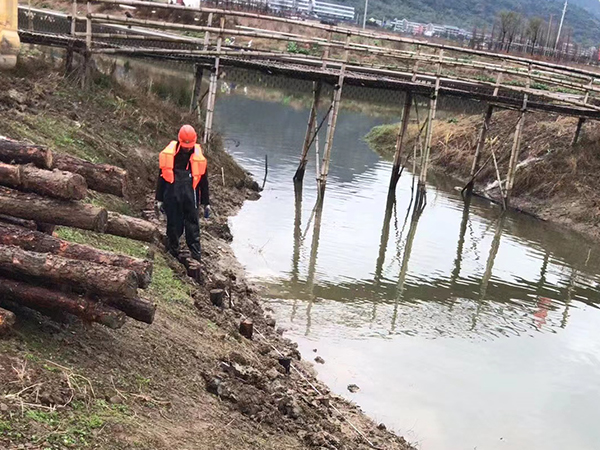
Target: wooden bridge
<point x="213" y="38"/>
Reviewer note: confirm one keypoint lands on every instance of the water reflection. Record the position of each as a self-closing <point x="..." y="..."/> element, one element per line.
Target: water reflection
<point x="432" y="314"/>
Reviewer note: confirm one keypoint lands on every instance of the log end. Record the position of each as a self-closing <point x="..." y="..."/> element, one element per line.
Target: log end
<point x="77" y="187"/>
<point x="101" y="223"/>
<point x="7" y="321"/>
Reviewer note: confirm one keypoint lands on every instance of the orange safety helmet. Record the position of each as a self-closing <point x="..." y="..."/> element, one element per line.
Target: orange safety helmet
<point x="187" y="136"/>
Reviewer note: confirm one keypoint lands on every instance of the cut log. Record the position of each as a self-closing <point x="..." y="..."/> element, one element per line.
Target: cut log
<point x="64" y="185"/>
<point x="44" y="299"/>
<point x="99" y="177"/>
<point x="29" y="224"/>
<point x="23" y="153"/>
<point x="35" y="241"/>
<point x="246" y="328"/>
<point x="57" y="212"/>
<point x="87" y="276"/>
<point x="139" y="309"/>
<point x="216" y="297"/>
<point x="7" y="320"/>
<point x="132" y="228"/>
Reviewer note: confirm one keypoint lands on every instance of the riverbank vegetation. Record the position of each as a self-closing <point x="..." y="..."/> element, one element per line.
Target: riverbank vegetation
<point x="555" y="180"/>
<point x="189" y="380"/>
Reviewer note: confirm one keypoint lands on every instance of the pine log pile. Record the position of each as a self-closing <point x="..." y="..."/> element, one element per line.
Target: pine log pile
<point x="39" y="190"/>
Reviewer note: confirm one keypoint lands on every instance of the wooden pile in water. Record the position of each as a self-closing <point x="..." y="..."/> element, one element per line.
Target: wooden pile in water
<point x="39" y="190"/>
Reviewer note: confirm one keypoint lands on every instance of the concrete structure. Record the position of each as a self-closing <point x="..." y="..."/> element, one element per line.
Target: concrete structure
<point x="320" y="9"/>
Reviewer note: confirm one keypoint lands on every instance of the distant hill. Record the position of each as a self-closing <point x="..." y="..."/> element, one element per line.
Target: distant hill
<point x="583" y="16"/>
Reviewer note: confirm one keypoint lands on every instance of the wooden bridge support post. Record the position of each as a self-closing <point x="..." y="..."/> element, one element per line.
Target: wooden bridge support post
<point x="69" y="56"/>
<point x="199" y="72"/>
<point x="581" y="120"/>
<point x="337" y="97"/>
<point x="421" y="197"/>
<point x="479" y="149"/>
<point x="87" y="57"/>
<point x="516" y="148"/>
<point x="482" y="137"/>
<point x="212" y="92"/>
<point x="310" y="132"/>
<point x="400" y="140"/>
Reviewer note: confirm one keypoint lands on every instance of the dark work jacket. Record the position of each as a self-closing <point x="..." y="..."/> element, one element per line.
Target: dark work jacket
<point x="183" y="178"/>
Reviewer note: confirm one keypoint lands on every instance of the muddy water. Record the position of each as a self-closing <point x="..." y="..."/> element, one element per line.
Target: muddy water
<point x="462" y="329"/>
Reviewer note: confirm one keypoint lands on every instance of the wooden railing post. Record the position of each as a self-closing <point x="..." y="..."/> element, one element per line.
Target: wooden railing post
<point x="87" y="71"/>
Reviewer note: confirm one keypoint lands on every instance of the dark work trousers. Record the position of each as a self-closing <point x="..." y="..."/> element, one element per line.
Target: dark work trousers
<point x="181" y="207"/>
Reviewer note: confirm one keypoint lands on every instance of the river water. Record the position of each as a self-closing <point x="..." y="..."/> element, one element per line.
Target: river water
<point x="463" y="330"/>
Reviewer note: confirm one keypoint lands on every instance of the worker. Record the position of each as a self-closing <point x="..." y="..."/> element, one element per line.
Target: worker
<point x="182" y="187"/>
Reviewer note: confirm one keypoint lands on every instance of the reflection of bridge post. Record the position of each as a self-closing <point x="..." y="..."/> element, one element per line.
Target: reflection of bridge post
<point x="311" y="131"/>
<point x="385" y="235"/>
<point x="312" y="264"/>
<point x="400" y="141"/>
<point x="487" y="274"/>
<point x="405" y="259"/>
<point x="421" y="198"/>
<point x="333" y="116"/>
<point x="297" y="232"/>
<point x="461" y="241"/>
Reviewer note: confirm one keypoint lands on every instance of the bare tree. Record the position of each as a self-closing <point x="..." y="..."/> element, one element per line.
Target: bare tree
<point x="510" y="22"/>
<point x="534" y="31"/>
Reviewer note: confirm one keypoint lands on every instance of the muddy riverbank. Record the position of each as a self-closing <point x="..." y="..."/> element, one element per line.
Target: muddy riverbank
<point x="189" y="381"/>
<point x="556" y="181"/>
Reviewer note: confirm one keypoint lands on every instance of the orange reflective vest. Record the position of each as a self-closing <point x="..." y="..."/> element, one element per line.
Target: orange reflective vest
<point x="166" y="162"/>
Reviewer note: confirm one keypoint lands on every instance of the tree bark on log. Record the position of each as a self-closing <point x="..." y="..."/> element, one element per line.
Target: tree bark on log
<point x="44" y="299"/>
<point x="99" y="177"/>
<point x="64" y="185"/>
<point x="91" y="277"/>
<point x="57" y="212"/>
<point x="139" y="309"/>
<point x="10" y="220"/>
<point x="23" y="153"/>
<point x="35" y="241"/>
<point x="132" y="228"/>
<point x="7" y="320"/>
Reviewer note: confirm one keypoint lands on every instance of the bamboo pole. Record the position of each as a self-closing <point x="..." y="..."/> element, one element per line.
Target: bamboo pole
<point x="581" y="120"/>
<point x="421" y="189"/>
<point x="310" y="132"/>
<point x="212" y="93"/>
<point x="85" y="80"/>
<point x="400" y="141"/>
<point x="514" y="154"/>
<point x="337" y="97"/>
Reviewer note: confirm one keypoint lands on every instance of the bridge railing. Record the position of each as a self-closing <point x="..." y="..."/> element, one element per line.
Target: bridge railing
<point x="380" y="55"/>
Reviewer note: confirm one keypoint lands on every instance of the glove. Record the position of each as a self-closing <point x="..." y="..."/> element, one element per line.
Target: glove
<point x="158" y="209"/>
<point x="206" y="211"/>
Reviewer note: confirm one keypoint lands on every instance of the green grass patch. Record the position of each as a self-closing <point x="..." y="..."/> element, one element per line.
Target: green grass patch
<point x="5" y="426"/>
<point x="383" y="138"/>
<point x="166" y="285"/>
<point x="104" y="242"/>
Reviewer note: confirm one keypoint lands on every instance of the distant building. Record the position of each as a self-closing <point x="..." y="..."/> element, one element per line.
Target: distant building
<point x="320" y="9"/>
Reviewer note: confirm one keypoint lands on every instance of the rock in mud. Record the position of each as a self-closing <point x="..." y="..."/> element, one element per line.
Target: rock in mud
<point x="319" y="360"/>
<point x="353" y="388"/>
